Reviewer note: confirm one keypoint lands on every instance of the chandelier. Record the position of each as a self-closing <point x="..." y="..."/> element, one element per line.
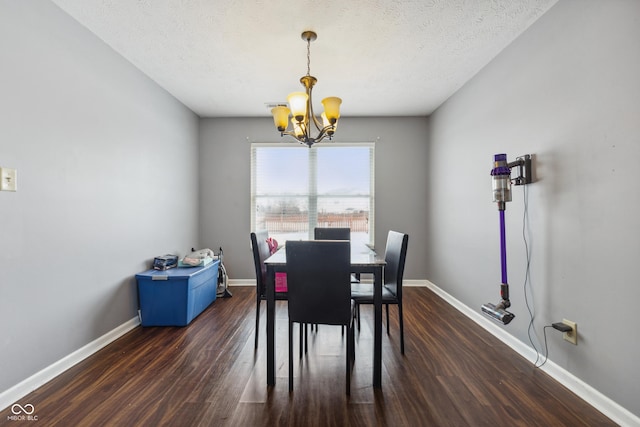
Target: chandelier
<point x="303" y="120"/>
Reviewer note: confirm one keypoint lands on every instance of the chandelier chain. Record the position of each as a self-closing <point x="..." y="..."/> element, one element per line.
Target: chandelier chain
<point x="308" y="56"/>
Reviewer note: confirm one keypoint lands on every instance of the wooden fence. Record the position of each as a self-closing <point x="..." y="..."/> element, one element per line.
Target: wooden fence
<point x="357" y="222"/>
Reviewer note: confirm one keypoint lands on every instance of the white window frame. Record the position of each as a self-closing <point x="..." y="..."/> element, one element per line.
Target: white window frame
<point x="312" y="195"/>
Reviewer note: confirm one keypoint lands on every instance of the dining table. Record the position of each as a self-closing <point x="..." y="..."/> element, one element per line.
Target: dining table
<point x="363" y="260"/>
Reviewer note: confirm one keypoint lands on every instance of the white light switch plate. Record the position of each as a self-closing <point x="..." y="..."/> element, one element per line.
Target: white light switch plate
<point x="8" y="179"/>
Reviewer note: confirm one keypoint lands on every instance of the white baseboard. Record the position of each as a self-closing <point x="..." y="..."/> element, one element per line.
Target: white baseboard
<point x="415" y="283"/>
<point x="242" y="282"/>
<point x="25" y="387"/>
<point x="252" y="282"/>
<point x="602" y="403"/>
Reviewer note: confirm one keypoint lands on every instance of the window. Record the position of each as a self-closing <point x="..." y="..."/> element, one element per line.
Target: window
<point x="295" y="189"/>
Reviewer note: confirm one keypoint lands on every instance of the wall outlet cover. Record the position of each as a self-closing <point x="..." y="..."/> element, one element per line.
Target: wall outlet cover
<point x="572" y="336"/>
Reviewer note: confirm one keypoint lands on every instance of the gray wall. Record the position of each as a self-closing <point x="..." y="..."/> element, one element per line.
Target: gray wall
<point x="401" y="183"/>
<point x="107" y="179"/>
<point x="567" y="92"/>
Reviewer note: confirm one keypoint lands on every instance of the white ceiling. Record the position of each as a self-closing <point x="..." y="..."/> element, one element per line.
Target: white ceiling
<point x="227" y="58"/>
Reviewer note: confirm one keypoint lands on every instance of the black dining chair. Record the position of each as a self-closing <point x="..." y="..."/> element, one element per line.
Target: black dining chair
<point x="332" y="233"/>
<point x="260" y="253"/>
<point x="335" y="233"/>
<point x="395" y="256"/>
<point x="318" y="281"/>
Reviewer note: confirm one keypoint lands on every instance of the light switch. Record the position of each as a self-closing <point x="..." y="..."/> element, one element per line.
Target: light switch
<point x="8" y="179"/>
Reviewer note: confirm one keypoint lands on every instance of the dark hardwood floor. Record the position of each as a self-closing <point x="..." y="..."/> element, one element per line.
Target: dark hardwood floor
<point x="454" y="373"/>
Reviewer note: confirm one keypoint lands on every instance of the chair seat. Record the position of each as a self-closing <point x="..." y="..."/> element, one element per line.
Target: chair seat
<point x="362" y="293"/>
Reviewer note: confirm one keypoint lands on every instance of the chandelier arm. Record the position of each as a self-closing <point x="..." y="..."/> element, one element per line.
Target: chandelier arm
<point x="305" y="137"/>
<point x="316" y="122"/>
<point x="288" y="132"/>
<point x="311" y="115"/>
<point x="323" y="134"/>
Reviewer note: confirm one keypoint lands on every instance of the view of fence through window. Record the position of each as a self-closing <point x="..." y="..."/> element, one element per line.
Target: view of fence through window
<point x="296" y="188"/>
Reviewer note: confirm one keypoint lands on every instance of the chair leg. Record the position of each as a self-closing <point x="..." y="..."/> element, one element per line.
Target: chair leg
<point x="353" y="343"/>
<point x="401" y="327"/>
<point x="290" y="356"/>
<point x="355" y="315"/>
<point x="257" y="320"/>
<point x="306" y="339"/>
<point x="358" y="315"/>
<point x="348" y="359"/>
<point x="387" y="307"/>
<point x="301" y="340"/>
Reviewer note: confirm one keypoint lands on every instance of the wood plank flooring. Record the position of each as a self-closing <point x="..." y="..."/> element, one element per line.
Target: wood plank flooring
<point x="454" y="373"/>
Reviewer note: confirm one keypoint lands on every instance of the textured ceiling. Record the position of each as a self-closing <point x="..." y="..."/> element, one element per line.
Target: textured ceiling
<point x="226" y="58"/>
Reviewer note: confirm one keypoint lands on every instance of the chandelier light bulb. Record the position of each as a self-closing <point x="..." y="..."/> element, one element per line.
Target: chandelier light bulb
<point x="332" y="108"/>
<point x="298" y="104"/>
<point x="281" y="117"/>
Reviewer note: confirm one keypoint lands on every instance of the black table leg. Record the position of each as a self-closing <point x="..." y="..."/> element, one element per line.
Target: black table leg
<point x="377" y="341"/>
<point x="271" y="322"/>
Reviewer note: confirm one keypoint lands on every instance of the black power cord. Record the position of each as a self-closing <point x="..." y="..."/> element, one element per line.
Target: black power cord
<point x="527" y="275"/>
<point x="546" y="349"/>
<point x="559" y="326"/>
<point x="527" y="281"/>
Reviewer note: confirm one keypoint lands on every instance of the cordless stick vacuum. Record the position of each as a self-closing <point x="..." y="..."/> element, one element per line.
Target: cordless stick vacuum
<point x="501" y="173"/>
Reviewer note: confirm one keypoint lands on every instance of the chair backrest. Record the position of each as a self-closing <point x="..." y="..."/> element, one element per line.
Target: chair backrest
<point x="260" y="253"/>
<point x="331" y="233"/>
<point x="319" y="281"/>
<point x="395" y="255"/>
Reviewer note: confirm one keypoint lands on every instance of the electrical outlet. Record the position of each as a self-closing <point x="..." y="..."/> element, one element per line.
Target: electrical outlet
<point x="571" y="336"/>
